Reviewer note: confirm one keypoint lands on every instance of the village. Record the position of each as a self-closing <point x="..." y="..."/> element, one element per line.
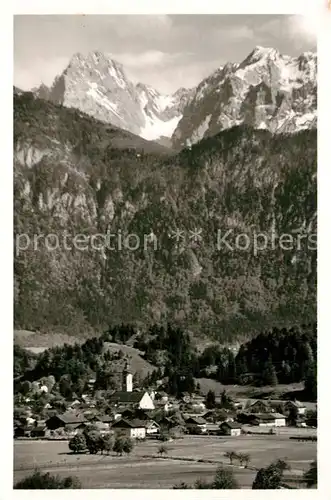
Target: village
<point x="141" y="414"/>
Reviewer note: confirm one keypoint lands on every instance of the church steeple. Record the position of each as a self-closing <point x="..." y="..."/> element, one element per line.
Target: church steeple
<point x="127" y="378"/>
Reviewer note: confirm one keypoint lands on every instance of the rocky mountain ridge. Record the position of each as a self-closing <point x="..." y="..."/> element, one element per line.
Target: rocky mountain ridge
<point x="267" y="90"/>
<point x="98" y="85"/>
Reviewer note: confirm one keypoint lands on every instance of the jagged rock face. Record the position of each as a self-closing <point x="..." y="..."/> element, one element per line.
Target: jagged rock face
<point x="266" y="91"/>
<point x="98" y="86"/>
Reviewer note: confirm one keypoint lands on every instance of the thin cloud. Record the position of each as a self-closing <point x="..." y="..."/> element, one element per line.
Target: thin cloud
<point x="145" y="59"/>
<point x="166" y="51"/>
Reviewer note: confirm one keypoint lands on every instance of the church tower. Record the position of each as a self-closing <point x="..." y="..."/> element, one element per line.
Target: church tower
<point x="127" y="379"/>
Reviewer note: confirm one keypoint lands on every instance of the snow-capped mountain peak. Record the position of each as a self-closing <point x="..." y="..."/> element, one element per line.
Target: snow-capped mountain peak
<point x="266" y="90"/>
<point x="261" y="53"/>
<point x="97" y="84"/>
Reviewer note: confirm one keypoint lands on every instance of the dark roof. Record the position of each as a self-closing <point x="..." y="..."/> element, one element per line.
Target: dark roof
<point x="39" y="428"/>
<point x="195" y="420"/>
<point x="69" y="418"/>
<point x="125" y="423"/>
<point x="126" y="397"/>
<point x="231" y="425"/>
<point x="261" y="402"/>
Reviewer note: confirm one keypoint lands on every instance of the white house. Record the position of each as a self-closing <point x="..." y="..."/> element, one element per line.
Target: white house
<point x="269" y="420"/>
<point x="129" y="397"/>
<point x="152" y="427"/>
<point x="130" y="428"/>
<point x="230" y="428"/>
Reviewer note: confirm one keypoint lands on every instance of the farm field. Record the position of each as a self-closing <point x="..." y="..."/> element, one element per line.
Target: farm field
<point x="141" y="470"/>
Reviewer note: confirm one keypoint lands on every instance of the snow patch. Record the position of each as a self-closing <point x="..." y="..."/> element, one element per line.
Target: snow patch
<point x="262" y="126"/>
<point x="118" y="79"/>
<point x="164" y="101"/>
<point x="155" y="128"/>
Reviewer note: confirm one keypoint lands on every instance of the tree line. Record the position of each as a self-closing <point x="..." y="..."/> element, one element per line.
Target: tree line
<point x="284" y="356"/>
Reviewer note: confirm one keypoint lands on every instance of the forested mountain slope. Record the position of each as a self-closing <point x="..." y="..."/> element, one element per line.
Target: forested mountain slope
<point x="74" y="175"/>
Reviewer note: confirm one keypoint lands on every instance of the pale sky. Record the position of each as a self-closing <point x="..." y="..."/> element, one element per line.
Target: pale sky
<point x="167" y="52"/>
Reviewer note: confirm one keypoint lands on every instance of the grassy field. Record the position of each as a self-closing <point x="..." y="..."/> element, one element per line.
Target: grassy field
<point x="248" y="391"/>
<point x="141" y="470"/>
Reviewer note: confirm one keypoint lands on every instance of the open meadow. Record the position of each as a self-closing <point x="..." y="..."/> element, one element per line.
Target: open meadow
<point x="143" y="470"/>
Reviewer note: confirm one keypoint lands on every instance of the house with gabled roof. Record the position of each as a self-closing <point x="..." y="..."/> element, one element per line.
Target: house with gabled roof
<point x="152" y="427"/>
<point x="130" y="428"/>
<point x="130" y="398"/>
<point x="296" y="405"/>
<point x="259" y="406"/>
<point x="230" y="428"/>
<point x="57" y="421"/>
<point x="136" y="399"/>
<point x="269" y="419"/>
<point x="193" y="422"/>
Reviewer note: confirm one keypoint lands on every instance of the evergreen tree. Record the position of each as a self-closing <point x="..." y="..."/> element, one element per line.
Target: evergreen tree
<point x="269" y="375"/>
<point x="311" y="383"/>
<point x="210" y="400"/>
<point x="232" y="371"/>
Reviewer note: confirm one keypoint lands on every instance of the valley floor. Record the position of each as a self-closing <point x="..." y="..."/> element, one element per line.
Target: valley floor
<point x="143" y="470"/>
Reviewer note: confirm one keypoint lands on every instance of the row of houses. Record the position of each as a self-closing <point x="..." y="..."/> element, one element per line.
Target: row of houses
<point x="266" y="406"/>
<point x="139" y="423"/>
<point x="130" y="427"/>
<point x="133" y="412"/>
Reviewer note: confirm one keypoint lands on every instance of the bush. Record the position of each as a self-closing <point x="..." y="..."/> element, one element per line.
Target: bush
<point x="195" y="430"/>
<point x="224" y="480"/>
<point x="127" y="445"/>
<point x="310" y="477"/>
<point x="123" y="445"/>
<point x="270" y="478"/>
<point x="164" y="436"/>
<point x="40" y="481"/>
<point x="181" y="486"/>
<point x="201" y="484"/>
<point x="108" y="442"/>
<point x="162" y="450"/>
<point x="78" y="443"/>
<point x="94" y="442"/>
